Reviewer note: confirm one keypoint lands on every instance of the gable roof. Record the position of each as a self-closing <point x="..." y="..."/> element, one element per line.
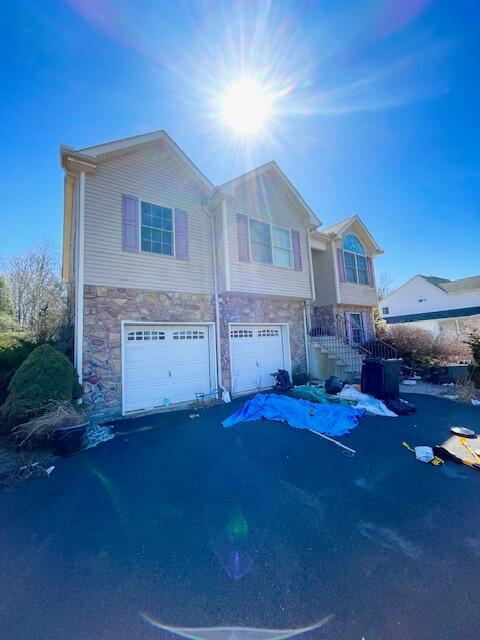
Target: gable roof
<point x="435" y="280"/>
<point x="337" y="229"/>
<point x="462" y="285"/>
<point x="433" y="315"/>
<point x="227" y="187"/>
<point x="108" y="150"/>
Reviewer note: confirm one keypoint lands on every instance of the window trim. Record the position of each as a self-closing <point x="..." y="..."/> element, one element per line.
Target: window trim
<point x="385" y="311"/>
<point x="272" y="246"/>
<point x="164" y="206"/>
<point x="355" y="255"/>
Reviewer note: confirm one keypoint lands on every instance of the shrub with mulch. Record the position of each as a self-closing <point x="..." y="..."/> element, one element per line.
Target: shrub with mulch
<point x="45" y="376"/>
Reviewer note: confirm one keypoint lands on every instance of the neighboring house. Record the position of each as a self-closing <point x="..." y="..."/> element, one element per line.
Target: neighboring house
<point x="437" y="304"/>
<point x="180" y="287"/>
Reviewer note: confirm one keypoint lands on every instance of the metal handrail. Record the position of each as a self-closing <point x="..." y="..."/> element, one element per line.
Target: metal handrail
<point x="343" y="349"/>
<point x="343" y="329"/>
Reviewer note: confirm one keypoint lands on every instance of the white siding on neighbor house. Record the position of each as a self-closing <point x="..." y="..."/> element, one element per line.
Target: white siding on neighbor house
<point x="406" y="299"/>
<point x="264" y="198"/>
<point x="324" y="274"/>
<point x="154" y="174"/>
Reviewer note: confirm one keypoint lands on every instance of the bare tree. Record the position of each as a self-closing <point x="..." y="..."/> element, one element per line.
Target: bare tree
<point x="7" y="322"/>
<point x="384" y="284"/>
<point x="36" y="291"/>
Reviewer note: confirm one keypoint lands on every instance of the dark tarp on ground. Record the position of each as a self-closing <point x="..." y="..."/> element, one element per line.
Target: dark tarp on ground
<point x="314" y="394"/>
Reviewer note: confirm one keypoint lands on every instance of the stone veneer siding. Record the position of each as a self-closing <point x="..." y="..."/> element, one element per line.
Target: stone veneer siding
<point x="252" y="309"/>
<point x="104" y="309"/>
<point x="355" y="308"/>
<point x="325" y="316"/>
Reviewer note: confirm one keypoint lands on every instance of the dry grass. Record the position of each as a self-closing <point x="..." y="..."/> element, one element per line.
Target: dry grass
<point x="419" y="344"/>
<point x="465" y="390"/>
<point x="56" y="416"/>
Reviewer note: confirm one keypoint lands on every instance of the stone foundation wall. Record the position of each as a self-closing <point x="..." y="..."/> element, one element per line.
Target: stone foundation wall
<point x="244" y="308"/>
<point x="323" y="317"/>
<point x="104" y="309"/>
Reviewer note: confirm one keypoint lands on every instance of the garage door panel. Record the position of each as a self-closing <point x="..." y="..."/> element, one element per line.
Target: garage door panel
<point x="165" y="365"/>
<point x="256" y="352"/>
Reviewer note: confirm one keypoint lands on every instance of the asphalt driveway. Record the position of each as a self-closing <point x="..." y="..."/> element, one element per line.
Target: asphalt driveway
<point x="189" y="524"/>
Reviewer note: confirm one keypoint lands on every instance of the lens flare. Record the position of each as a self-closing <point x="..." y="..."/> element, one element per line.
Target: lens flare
<point x="246" y="106"/>
<point x="234" y="633"/>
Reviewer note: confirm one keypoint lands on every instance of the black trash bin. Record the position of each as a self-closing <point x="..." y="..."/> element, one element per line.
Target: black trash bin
<point x="381" y="378"/>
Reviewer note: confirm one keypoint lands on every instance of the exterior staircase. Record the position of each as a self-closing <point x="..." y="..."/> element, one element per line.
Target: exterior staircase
<point x="332" y="356"/>
<point x="334" y="353"/>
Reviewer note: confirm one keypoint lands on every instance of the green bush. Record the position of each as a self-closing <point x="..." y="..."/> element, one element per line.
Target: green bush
<point x="473" y="341"/>
<point x="45" y="376"/>
<point x="14" y="348"/>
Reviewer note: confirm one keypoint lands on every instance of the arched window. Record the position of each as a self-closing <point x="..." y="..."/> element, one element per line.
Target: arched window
<point x="354" y="260"/>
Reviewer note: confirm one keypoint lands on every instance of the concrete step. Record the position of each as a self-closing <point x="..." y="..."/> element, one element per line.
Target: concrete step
<point x="331" y="356"/>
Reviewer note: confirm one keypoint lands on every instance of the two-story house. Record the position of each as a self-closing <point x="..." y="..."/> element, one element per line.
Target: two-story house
<point x="181" y="287"/>
<point x="436" y="304"/>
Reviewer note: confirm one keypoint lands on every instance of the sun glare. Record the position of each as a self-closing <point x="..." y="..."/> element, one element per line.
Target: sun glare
<point x="246" y="106"/>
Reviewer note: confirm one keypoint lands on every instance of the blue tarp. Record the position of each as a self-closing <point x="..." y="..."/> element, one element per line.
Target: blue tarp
<point x="332" y="420"/>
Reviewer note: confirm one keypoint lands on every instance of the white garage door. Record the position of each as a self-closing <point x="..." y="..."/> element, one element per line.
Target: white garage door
<point x="164" y="365"/>
<point x="257" y="351"/>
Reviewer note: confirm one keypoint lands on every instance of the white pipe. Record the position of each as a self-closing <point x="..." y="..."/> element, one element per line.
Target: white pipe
<point x="79" y="286"/>
<point x="339" y="444"/>
<point x="215" y="297"/>
<point x="310" y="264"/>
<point x="225" y="245"/>
<point x="307" y="354"/>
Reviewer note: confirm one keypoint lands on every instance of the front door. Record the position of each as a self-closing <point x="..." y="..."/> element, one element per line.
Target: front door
<point x="357" y="328"/>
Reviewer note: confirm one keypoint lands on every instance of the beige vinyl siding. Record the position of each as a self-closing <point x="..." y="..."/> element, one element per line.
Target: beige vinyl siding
<point x="265" y="199"/>
<point x="324" y="275"/>
<point x="358" y="294"/>
<point x="155" y="175"/>
<point x="219" y="247"/>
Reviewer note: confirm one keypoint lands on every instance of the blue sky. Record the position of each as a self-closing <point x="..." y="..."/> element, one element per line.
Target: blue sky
<point x="377" y="111"/>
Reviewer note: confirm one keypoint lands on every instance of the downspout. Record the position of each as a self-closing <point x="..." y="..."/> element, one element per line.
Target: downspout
<point x="312" y="281"/>
<point x="310" y="263"/>
<point x="225" y="245"/>
<point x="307" y="353"/>
<point x="79" y="293"/>
<point x="215" y="296"/>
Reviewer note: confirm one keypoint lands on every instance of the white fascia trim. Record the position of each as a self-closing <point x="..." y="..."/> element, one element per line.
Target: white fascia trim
<point x="211" y="344"/>
<point x="226" y="249"/>
<point x="115" y="146"/>
<point x="79" y="284"/>
<point x="258" y="171"/>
